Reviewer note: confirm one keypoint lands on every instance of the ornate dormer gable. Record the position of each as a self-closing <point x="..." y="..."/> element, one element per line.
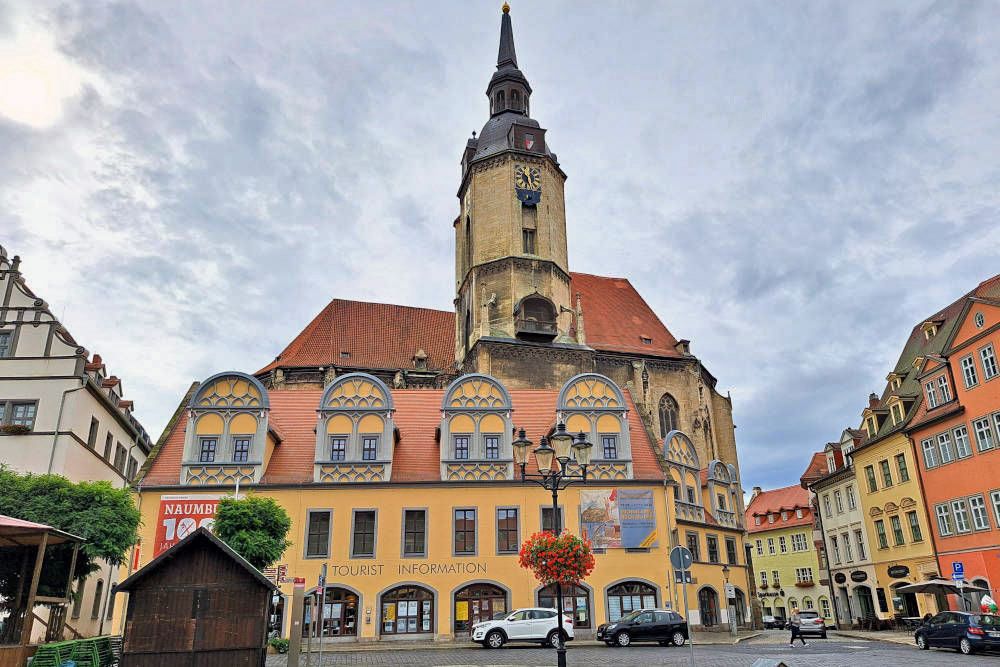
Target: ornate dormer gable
<point x="354" y="431"/>
<point x="476" y="430"/>
<point x="594" y="405"/>
<point x="724" y="493"/>
<point x="685" y="470"/>
<point x="226" y="441"/>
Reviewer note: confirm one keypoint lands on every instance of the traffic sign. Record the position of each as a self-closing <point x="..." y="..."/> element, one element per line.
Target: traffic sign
<point x="730" y="591"/>
<point x="957" y="567"/>
<point x="957" y="576"/>
<point x="681" y="558"/>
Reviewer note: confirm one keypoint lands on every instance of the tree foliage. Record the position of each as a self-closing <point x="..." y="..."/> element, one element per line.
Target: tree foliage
<point x="255" y="527"/>
<point x="104" y="516"/>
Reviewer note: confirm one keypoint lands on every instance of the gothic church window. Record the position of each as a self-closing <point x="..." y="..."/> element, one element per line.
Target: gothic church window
<point x="669" y="415"/>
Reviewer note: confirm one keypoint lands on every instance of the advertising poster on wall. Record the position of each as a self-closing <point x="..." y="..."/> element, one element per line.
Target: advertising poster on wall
<point x="181" y="515"/>
<point x="618" y="518"/>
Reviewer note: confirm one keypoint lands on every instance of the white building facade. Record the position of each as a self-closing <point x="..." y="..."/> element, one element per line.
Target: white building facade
<point x="852" y="574"/>
<point x="62" y="413"/>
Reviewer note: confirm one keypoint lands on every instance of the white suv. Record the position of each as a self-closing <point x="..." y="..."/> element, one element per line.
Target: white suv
<point x="534" y="624"/>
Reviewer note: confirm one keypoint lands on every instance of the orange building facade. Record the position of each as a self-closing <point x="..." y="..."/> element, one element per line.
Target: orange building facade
<point x="956" y="434"/>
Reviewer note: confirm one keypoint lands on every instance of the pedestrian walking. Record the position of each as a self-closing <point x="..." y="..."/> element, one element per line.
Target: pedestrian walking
<point x="795" y="623"/>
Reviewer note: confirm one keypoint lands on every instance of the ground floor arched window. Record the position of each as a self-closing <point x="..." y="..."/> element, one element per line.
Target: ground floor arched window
<point x="407" y="610"/>
<point x="807" y="603"/>
<point x="708" y="606"/>
<point x="476" y="603"/>
<point x="779" y="609"/>
<point x="741" y="607"/>
<point x="576" y="600"/>
<point x="628" y="596"/>
<point x="340" y="613"/>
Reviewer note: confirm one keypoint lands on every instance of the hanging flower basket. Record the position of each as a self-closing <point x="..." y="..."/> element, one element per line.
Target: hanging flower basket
<point x="553" y="558"/>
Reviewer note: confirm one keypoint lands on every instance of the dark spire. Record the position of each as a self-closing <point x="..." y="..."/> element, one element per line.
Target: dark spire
<point x="506" y="55"/>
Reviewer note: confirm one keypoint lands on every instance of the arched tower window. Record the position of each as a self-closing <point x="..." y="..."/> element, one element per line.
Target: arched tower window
<point x="515" y="100"/>
<point x="535" y="318"/>
<point x="669" y="415"/>
<point x="500" y="101"/>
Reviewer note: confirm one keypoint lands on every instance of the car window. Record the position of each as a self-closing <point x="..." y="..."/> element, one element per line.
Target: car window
<point x="940" y="618"/>
<point x="988" y="620"/>
<point x="629" y="617"/>
<point x="662" y="617"/>
<point x="519" y="616"/>
<point x="645" y="618"/>
<point x="808" y="614"/>
<point x="674" y="616"/>
<point x="544" y="613"/>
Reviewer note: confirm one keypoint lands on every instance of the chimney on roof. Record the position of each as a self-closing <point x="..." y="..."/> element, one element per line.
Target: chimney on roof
<point x="872" y="401"/>
<point x="683" y="346"/>
<point x="97" y="359"/>
<point x="756" y="492"/>
<point x="420" y="360"/>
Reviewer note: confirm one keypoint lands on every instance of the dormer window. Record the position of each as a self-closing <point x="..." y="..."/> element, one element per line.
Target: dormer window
<point x="646" y="340"/>
<point x="784" y="515"/>
<point x="354" y="423"/>
<point x="871" y="425"/>
<point x="208" y="448"/>
<point x="345" y="354"/>
<point x="594" y="405"/>
<point x="831" y="463"/>
<point x="897" y="413"/>
<point x="756" y="519"/>
<point x="770" y="518"/>
<point x="798" y="512"/>
<point x="930" y="329"/>
<point x="476" y="430"/>
<point x="895" y="382"/>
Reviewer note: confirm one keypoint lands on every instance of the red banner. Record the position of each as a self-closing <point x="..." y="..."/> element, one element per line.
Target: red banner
<point x="180" y="516"/>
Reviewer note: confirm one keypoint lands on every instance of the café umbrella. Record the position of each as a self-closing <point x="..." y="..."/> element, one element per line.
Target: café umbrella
<point x="940" y="586"/>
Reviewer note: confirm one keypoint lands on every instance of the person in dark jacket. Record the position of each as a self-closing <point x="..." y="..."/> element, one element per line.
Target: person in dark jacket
<point x="795" y="624"/>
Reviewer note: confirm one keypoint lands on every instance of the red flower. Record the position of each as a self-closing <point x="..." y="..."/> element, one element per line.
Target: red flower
<point x="565" y="558"/>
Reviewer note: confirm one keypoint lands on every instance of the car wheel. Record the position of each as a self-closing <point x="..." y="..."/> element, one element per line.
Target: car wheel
<point x="922" y="643"/>
<point x="965" y="646"/>
<point x="678" y="639"/>
<point x="552" y="639"/>
<point x="623" y="639"/>
<point x="494" y="640"/>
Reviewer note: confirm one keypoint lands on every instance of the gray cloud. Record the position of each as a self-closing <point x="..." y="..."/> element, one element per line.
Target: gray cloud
<point x="790" y="186"/>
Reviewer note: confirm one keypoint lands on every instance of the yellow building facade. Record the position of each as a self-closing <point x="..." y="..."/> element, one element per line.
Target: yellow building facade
<point x="785" y="562"/>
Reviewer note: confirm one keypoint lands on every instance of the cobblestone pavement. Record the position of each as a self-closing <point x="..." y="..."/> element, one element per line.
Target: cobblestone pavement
<point x="819" y="653"/>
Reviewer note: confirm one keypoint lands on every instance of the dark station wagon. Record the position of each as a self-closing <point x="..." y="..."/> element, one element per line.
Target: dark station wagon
<point x="966" y="632"/>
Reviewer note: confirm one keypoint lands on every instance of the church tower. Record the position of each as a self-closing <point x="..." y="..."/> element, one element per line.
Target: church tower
<point x="511" y="269"/>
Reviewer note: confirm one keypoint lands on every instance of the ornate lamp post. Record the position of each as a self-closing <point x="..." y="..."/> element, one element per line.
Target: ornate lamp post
<point x="729" y="607"/>
<point x="553" y="474"/>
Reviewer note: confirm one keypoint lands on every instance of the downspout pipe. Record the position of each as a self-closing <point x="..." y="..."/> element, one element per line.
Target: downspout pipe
<point x="55" y="436"/>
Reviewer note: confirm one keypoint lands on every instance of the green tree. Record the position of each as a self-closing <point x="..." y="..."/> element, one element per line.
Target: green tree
<point x="104" y="516"/>
<point x="254" y="527"/>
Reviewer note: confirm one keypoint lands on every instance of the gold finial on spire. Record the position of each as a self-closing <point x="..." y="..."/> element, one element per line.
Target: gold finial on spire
<point x="506" y="8"/>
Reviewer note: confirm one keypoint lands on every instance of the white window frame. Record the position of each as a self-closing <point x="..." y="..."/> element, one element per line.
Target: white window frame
<point x="984" y="444"/>
<point x="945" y="448"/>
<point x="783" y="544"/>
<point x="930" y="451"/>
<point x="970" y="375"/>
<point x="944" y="388"/>
<point x="838" y="500"/>
<point x="760" y="547"/>
<point x="848" y="552"/>
<point x="827" y="508"/>
<point x="980" y="516"/>
<point x="836" y="548"/>
<point x="963" y="448"/>
<point x="852" y="502"/>
<point x="946" y="526"/>
<point x="960" y="513"/>
<point x="859" y="538"/>
<point x="988" y="358"/>
<point x="770" y="546"/>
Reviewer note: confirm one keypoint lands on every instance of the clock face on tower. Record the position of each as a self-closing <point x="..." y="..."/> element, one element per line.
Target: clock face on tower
<point x="528" y="184"/>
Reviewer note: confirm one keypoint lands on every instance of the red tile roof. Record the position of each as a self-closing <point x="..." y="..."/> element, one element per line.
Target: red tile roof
<point x="416" y="457"/>
<point x="375" y="335"/>
<point x="817" y="468"/>
<point x="786" y="498"/>
<point x="380" y="335"/>
<point x="617" y="318"/>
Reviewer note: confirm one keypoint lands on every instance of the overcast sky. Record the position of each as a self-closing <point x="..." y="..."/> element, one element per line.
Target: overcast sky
<point x="792" y="186"/>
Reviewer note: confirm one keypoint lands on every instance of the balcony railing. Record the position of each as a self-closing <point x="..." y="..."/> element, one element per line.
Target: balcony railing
<point x="689" y="511"/>
<point x="535" y="327"/>
<point x="727" y="518"/>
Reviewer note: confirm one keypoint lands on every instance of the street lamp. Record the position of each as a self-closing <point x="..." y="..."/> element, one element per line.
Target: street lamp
<point x="563" y="448"/>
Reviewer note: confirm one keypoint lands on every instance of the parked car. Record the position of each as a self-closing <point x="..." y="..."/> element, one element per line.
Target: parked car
<point x="534" y="624"/>
<point x="967" y="632"/>
<point x="645" y="625"/>
<point x="773" y="623"/>
<point x="811" y="623"/>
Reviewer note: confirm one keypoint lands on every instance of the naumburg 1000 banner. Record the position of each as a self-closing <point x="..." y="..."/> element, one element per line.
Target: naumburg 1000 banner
<point x="181" y="515"/>
<point x="618" y="518"/>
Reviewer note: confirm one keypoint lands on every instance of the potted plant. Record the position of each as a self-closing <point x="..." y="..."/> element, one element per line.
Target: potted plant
<point x="563" y="558"/>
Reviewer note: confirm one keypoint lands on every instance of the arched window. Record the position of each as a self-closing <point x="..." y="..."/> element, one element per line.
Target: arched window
<point x="807" y="603"/>
<point x="515" y="100"/>
<point x="340" y="615"/>
<point x="95" y="609"/>
<point x="535" y="318"/>
<point x="594" y="405"/>
<point x="708" y="607"/>
<point x="669" y="415"/>
<point x="407" y="610"/>
<point x="477" y="603"/>
<point x="476" y="427"/>
<point x="227" y="426"/>
<point x="629" y="596"/>
<point x="500" y="102"/>
<point x="576" y="600"/>
<point x="355" y="426"/>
